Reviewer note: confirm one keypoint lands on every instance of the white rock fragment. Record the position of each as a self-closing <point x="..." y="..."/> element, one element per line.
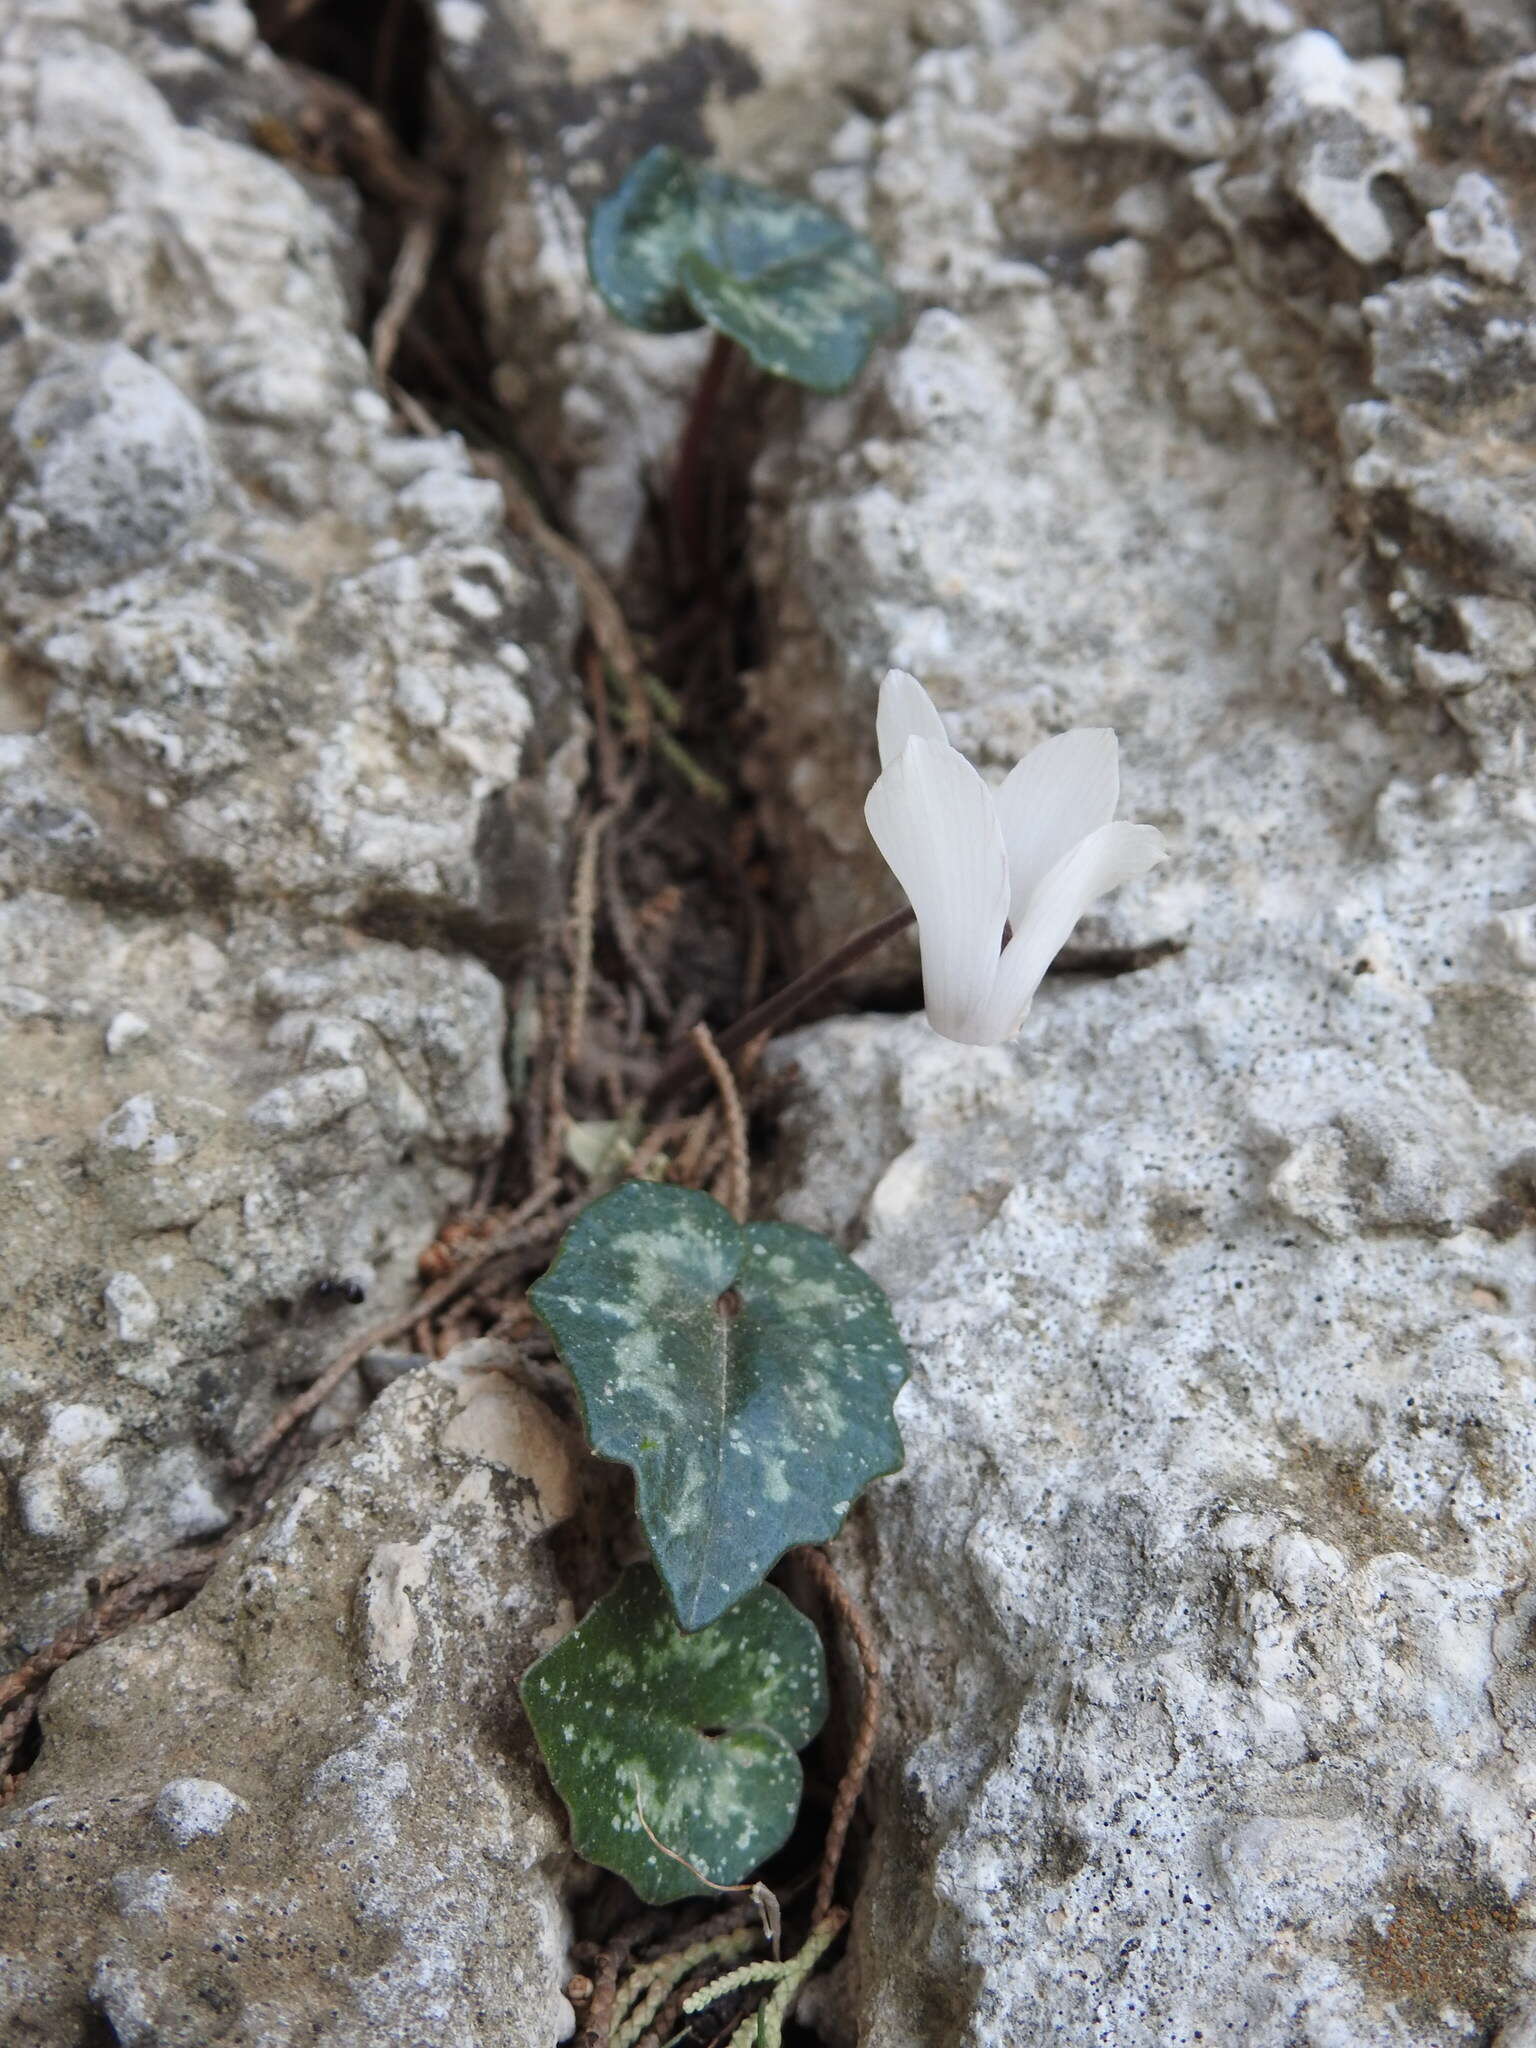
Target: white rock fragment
<point x="226" y="27"/>
<point x="1474" y="228"/>
<point x="310" y="1103"/>
<point x="125" y="1030"/>
<point x="131" y="1306"/>
<point x="142" y="1891"/>
<point x="71" y="1478"/>
<point x="1341" y="125"/>
<point x="191" y="1809"/>
<point x="1152" y="95"/>
<point x="394" y="1573"/>
<point x="121" y="468"/>
<point x="132" y="1125"/>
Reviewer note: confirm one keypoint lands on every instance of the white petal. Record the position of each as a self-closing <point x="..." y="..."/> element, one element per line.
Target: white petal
<point x="931" y="816"/>
<point x="1065" y="789"/>
<point x="906" y="713"/>
<point x="1106" y="858"/>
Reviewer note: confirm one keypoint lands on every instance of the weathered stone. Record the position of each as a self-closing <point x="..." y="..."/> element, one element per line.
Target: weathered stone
<point x="1474" y="229"/>
<point x="305" y="1809"/>
<point x="1204" y="1593"/>
<point x="1219" y="1446"/>
<point x="278" y="694"/>
<point x="578" y="98"/>
<point x="1010" y="501"/>
<point x="1341" y="129"/>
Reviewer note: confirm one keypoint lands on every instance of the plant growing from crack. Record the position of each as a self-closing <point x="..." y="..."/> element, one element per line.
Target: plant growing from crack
<point x="680" y="245"/>
<point x="746" y="1372"/>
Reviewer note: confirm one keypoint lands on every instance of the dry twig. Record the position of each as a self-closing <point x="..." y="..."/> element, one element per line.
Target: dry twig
<point x="605" y="1975"/>
<point x="691" y="1151"/>
<point x="13" y="1732"/>
<point x="779" y="1008"/>
<point x="603" y="744"/>
<point x="520" y="1233"/>
<point x="549" y="1080"/>
<point x="413" y="260"/>
<point x="826" y="1575"/>
<point x="579" y="934"/>
<point x="738" y="1160"/>
<point x="337" y="118"/>
<point x="621" y="923"/>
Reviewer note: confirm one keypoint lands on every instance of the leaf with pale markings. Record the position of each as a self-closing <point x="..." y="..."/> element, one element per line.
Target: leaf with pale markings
<point x="693" y="1737"/>
<point x="746" y="1373"/>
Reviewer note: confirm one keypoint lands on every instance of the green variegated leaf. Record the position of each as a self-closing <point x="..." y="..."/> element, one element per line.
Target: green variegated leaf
<point x="813" y="322"/>
<point x="693" y="1734"/>
<point x="755" y="234"/>
<point x="637" y="239"/>
<point x="794" y="285"/>
<point x="745" y="1372"/>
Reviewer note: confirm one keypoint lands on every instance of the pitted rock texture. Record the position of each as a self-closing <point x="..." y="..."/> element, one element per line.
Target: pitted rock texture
<point x="572" y="98"/>
<point x="1206" y="1590"/>
<point x="1205" y="1593"/>
<point x="285" y="726"/>
<point x="1219" y="389"/>
<point x="307" y="1809"/>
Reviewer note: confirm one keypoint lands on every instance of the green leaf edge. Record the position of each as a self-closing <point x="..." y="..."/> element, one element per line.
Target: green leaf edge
<point x="696" y="1198"/>
<point x="683" y="1886"/>
<point x="697" y="277"/>
<point x="694" y="286"/>
<point x="608" y="242"/>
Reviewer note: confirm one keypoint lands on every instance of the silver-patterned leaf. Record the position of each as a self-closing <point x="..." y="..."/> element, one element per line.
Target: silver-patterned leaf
<point x="637" y="238"/>
<point x="692" y="1735"/>
<point x="745" y="1373"/>
<point x="800" y="291"/>
<point x="813" y="322"/>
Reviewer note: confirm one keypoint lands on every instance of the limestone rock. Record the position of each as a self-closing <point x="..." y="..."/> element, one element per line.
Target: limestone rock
<point x="285" y="719"/>
<point x="1099" y="483"/>
<point x="304" y="1809"/>
<point x="1204" y="1591"/>
<point x="576" y="96"/>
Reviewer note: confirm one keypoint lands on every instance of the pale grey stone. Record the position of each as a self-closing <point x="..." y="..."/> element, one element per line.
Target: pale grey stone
<point x="1341" y="127"/>
<point x="233" y="584"/>
<point x="1474" y="228"/>
<point x="188" y="1809"/>
<point x="302" y="1805"/>
<point x="1204" y="1592"/>
<point x="1158" y="97"/>
<point x="120" y="466"/>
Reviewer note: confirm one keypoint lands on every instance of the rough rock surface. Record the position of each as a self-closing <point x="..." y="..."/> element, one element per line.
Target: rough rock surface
<point x="1214" y="363"/>
<point x="573" y="96"/>
<point x="1207" y="1589"/>
<point x="307" y="1808"/>
<point x="1206" y="1594"/>
<point x="281" y="720"/>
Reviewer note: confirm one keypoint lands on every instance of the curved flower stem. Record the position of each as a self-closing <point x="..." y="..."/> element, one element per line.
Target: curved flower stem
<point x="687" y="516"/>
<point x="768" y="1016"/>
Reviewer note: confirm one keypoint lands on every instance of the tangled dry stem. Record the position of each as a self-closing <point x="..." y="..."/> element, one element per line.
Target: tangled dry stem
<point x="830" y="1582"/>
<point x="738" y="1164"/>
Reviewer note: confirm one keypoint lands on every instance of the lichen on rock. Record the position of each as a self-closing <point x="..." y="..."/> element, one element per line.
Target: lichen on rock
<point x="286" y="720"/>
<point x="302" y="1809"/>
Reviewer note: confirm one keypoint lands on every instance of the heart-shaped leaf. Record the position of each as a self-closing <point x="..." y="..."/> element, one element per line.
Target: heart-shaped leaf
<point x="637" y="239"/>
<point x="800" y="291"/>
<point x="695" y="1735"/>
<point x="745" y="1372"/>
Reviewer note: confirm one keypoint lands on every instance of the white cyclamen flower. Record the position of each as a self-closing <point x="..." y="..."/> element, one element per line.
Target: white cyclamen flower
<point x="1033" y="854"/>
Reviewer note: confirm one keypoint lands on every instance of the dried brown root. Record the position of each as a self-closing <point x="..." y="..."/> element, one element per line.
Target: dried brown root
<point x="826" y="1575"/>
